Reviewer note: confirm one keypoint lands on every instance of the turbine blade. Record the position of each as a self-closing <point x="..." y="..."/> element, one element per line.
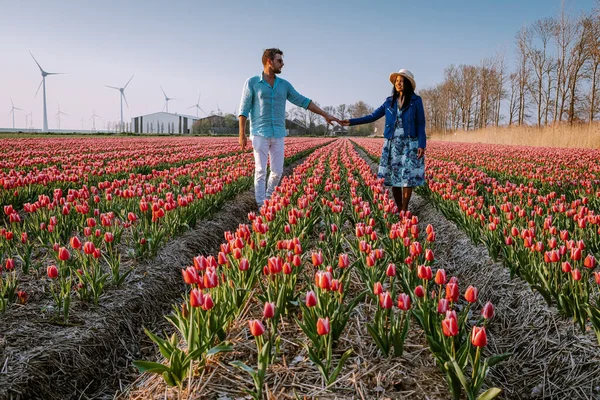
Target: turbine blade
<point x="128" y="82"/>
<point x="191" y="106"/>
<point x="11" y="102"/>
<point x="38" y="89"/>
<point x="203" y="111"/>
<point x="55" y="73"/>
<point x="38" y="64"/>
<point x="198" y="102"/>
<point x="112" y="87"/>
<point x="125" y="98"/>
<point x="163" y="90"/>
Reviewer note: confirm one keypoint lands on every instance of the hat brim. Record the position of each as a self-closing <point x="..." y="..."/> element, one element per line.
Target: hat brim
<point x="395" y="75"/>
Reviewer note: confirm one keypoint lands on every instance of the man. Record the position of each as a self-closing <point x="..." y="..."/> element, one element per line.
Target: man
<point x="263" y="101"/>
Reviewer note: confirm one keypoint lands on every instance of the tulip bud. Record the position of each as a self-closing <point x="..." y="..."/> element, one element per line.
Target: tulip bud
<point x="404" y="302"/>
<point x="311" y="299"/>
<point x="10" y="264"/>
<point x="488" y="310"/>
<point x="443" y="306"/>
<point x="323" y="326"/>
<point x="419" y="292"/>
<point x="377" y="288"/>
<point x="269" y="310"/>
<point x="452" y="292"/>
<point x="440" y="277"/>
<point x="317" y="259"/>
<point x="471" y="294"/>
<point x="52" y="272"/>
<point x="385" y="300"/>
<point x="391" y="270"/>
<point x="589" y="262"/>
<point x="196" y="298"/>
<point x="450" y="327"/>
<point x="478" y="336"/>
<point x="256" y="327"/>
<point x="429" y="255"/>
<point x="576" y="274"/>
<point x="63" y="254"/>
<point x="343" y="261"/>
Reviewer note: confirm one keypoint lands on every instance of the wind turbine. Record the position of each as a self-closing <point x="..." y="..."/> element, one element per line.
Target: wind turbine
<point x="12" y="111"/>
<point x="58" y="114"/>
<point x="93" y="118"/>
<point x="197" y="105"/>
<point x="219" y="110"/>
<point x="43" y="83"/>
<point x="122" y="90"/>
<point x="167" y="98"/>
<point x="28" y="120"/>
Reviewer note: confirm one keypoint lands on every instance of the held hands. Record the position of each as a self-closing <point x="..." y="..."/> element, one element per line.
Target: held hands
<point x="344" y="122"/>
<point x="330" y="118"/>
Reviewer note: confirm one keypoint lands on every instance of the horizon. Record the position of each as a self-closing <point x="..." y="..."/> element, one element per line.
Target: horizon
<point x="183" y="49"/>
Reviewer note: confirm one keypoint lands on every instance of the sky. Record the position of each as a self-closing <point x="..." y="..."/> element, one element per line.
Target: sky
<point x="335" y="52"/>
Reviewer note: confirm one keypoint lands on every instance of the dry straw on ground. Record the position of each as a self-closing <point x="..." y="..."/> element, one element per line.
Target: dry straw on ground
<point x="92" y="357"/>
<point x="579" y="136"/>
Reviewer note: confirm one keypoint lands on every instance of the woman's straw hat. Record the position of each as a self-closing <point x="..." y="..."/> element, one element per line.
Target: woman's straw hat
<point x="405" y="73"/>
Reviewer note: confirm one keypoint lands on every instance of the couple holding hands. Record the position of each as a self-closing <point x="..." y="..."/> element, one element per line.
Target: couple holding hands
<point x="402" y="163"/>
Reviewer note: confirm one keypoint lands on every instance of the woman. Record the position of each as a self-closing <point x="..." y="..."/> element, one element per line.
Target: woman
<point x="402" y="163"/>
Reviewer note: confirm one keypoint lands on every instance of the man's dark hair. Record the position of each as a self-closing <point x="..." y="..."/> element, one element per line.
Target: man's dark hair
<point x="269" y="54"/>
<point x="408" y="92"/>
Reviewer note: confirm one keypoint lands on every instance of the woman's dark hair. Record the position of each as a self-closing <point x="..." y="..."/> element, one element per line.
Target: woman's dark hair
<point x="408" y="92"/>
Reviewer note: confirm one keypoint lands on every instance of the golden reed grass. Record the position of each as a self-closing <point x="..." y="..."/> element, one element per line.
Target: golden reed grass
<point x="576" y="136"/>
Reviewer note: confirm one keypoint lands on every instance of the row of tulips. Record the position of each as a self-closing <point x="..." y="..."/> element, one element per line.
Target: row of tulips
<point x="137" y="215"/>
<point x="335" y="185"/>
<point x="550" y="239"/>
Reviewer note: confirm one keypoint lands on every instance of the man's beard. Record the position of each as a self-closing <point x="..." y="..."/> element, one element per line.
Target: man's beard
<point x="276" y="71"/>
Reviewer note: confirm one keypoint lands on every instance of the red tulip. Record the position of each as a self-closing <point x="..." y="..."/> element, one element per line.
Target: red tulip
<point x="478" y="336"/>
<point x="343" y="261"/>
<point x="190" y="275"/>
<point x="424" y="272"/>
<point x="256" y="327"/>
<point x="196" y="298"/>
<point x="385" y="300"/>
<point x="419" y="292"/>
<point x="311" y="299"/>
<point x="452" y="292"/>
<point x="450" y="327"/>
<point x="404" y="302"/>
<point x="88" y="248"/>
<point x="443" y="305"/>
<point x="566" y="267"/>
<point x="440" y="277"/>
<point x="10" y="264"/>
<point x="323" y="326"/>
<point x="589" y="262"/>
<point x="576" y="274"/>
<point x="429" y="255"/>
<point x="269" y="310"/>
<point x="208" y="302"/>
<point x="488" y="310"/>
<point x="63" y="254"/>
<point x="75" y="243"/>
<point x="471" y="294"/>
<point x="317" y="259"/>
<point x="391" y="270"/>
<point x="52" y="272"/>
<point x="244" y="264"/>
<point x="377" y="288"/>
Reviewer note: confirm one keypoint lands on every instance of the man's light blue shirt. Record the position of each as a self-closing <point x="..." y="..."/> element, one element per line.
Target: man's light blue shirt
<point x="265" y="105"/>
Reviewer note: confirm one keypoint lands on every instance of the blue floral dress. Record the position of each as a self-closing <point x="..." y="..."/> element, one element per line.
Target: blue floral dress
<point x="399" y="165"/>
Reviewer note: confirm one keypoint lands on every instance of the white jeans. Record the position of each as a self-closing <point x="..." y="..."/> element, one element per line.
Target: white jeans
<point x="265" y="148"/>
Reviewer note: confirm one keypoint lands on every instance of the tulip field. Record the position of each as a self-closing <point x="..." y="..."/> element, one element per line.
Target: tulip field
<point x="313" y="291"/>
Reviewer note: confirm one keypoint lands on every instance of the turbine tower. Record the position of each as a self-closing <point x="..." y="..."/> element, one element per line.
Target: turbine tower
<point x="58" y="114"/>
<point x="93" y="118"/>
<point x="122" y="90"/>
<point x="43" y="83"/>
<point x="12" y="111"/>
<point x="28" y="120"/>
<point x="167" y="99"/>
<point x="197" y="106"/>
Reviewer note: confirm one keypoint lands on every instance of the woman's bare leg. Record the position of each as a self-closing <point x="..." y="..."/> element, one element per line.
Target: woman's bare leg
<point x="406" y="193"/>
<point x="397" y="192"/>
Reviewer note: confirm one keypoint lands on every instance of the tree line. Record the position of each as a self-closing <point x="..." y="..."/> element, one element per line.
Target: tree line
<point x="555" y="79"/>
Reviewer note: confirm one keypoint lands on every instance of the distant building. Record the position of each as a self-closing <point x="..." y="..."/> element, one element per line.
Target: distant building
<point x="163" y="122"/>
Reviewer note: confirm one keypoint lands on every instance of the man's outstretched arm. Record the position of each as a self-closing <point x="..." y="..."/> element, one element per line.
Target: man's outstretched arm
<point x="317" y="110"/>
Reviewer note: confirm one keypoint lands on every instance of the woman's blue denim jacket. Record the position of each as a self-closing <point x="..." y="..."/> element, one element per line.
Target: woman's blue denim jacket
<point x="413" y="118"/>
